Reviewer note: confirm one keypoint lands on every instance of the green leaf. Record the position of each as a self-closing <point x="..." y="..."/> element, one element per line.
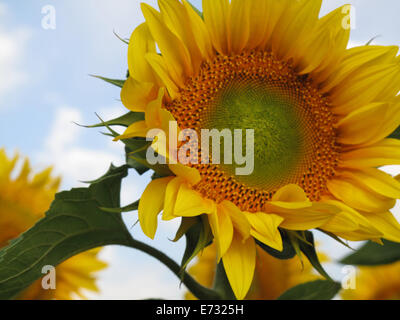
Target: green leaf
<point x="308" y="248"/>
<point x="372" y="40"/>
<point x="126" y="41"/>
<point x="125" y="121"/>
<point x="135" y="151"/>
<point x="198" y="237"/>
<point x="129" y="208"/>
<point x="221" y="283"/>
<point x="374" y="254"/>
<point x="288" y="251"/>
<point x="336" y="238"/>
<point x="136" y="159"/>
<point x="186" y="224"/>
<point x="118" y="83"/>
<point x="396" y="134"/>
<point x="137" y="146"/>
<point x="74" y="224"/>
<point x="314" y="290"/>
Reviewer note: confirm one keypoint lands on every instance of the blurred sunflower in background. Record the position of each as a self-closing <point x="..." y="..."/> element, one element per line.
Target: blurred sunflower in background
<point x="321" y="114"/>
<point x="272" y="276"/>
<point x="24" y="199"/>
<point x="375" y="283"/>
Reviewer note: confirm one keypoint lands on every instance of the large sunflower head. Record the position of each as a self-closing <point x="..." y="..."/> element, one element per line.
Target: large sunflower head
<point x="321" y="115"/>
<point x="24" y="199"/>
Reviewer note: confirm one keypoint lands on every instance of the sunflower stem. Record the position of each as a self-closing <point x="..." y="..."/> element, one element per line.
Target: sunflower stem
<point x="193" y="286"/>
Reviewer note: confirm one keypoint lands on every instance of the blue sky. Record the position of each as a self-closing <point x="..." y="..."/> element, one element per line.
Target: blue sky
<point x="45" y="85"/>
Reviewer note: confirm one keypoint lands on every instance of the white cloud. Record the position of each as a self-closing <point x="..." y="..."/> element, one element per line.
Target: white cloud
<point x="64" y="132"/>
<point x="133" y="275"/>
<point x="13" y="47"/>
<point x="147" y="283"/>
<point x="123" y="17"/>
<point x="74" y="161"/>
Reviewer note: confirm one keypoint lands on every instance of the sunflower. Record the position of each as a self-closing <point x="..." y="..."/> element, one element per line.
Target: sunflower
<point x="321" y="114"/>
<point x="376" y="283"/>
<point x="272" y="276"/>
<point x="24" y="199"/>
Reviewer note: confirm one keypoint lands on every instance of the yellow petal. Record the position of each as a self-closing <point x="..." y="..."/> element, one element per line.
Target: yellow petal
<point x="25" y="171"/>
<point x="259" y="12"/>
<point x="391" y="123"/>
<point x="199" y="28"/>
<point x="216" y="17"/>
<point x="333" y="22"/>
<point x="325" y="45"/>
<point x="137" y="129"/>
<point x="6" y="165"/>
<point x="377" y="120"/>
<point x="284" y="12"/>
<point x="305" y="17"/>
<point x="376" y="180"/>
<point x="265" y="228"/>
<point x="312" y="215"/>
<point x="290" y="193"/>
<point x="78" y="281"/>
<point x="276" y="12"/>
<point x="387" y="224"/>
<point x="140" y="44"/>
<point x="349" y="220"/>
<point x="173" y="51"/>
<point x="341" y="222"/>
<point x="291" y="203"/>
<point x="42" y="178"/>
<point x="357" y="196"/>
<point x="290" y="196"/>
<point x="191" y="175"/>
<point x="150" y="205"/>
<point x="239" y="25"/>
<point x="358" y="235"/>
<point x="239" y="262"/>
<point x="222" y="228"/>
<point x="176" y="18"/>
<point x="190" y="203"/>
<point x="154" y="110"/>
<point x="365" y="88"/>
<point x="385" y="152"/>
<point x="135" y="95"/>
<point x="356" y="59"/>
<point x="160" y="67"/>
<point x="363" y="124"/>
<point x="238" y="218"/>
<point x="171" y="194"/>
<point x="320" y="46"/>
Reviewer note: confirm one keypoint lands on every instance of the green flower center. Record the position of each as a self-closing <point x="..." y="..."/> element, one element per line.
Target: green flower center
<point x="280" y="139"/>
